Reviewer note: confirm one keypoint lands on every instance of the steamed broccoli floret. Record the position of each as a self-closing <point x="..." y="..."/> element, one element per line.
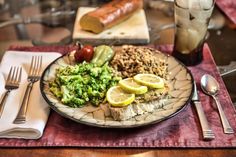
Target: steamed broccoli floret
<point x="82" y="83"/>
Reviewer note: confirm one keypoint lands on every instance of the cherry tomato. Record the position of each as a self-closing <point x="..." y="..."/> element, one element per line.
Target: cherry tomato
<point x="85" y="53"/>
<point x="78" y="56"/>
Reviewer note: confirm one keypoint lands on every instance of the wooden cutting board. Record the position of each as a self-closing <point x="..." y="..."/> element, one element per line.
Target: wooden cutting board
<point x="132" y="31"/>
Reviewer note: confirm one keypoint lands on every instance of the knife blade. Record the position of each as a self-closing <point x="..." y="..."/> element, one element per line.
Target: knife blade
<point x="206" y="130"/>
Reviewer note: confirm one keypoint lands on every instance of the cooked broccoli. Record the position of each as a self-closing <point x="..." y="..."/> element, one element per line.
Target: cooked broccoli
<point x="82" y="83"/>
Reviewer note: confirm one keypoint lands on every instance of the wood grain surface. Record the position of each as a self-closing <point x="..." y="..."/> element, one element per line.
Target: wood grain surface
<point x="82" y="152"/>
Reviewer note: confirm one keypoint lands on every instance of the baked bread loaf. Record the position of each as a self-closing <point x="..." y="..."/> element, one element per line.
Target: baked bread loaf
<point x="109" y="15"/>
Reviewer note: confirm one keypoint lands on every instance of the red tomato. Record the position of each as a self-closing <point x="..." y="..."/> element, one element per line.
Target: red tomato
<point x="85" y="53"/>
<point x="78" y="56"/>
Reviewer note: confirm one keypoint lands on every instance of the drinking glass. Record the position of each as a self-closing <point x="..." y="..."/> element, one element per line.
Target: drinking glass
<point x="191" y="20"/>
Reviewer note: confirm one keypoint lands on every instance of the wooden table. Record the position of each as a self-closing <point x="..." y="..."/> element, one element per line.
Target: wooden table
<point x="84" y="152"/>
<point x="223" y="48"/>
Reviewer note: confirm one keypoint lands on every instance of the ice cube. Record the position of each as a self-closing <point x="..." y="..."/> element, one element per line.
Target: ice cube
<point x="201" y="14"/>
<point x="194" y="4"/>
<point x="182" y="22"/>
<point x="182" y="3"/>
<point x="188" y="39"/>
<point x="206" y="4"/>
<point x="181" y="40"/>
<point x="182" y="12"/>
<point x="197" y="23"/>
<point x="181" y="16"/>
<point x="195" y="37"/>
<point x="207" y="13"/>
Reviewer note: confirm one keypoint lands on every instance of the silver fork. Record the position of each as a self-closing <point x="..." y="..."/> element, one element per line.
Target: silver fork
<point x="34" y="76"/>
<point x="12" y="82"/>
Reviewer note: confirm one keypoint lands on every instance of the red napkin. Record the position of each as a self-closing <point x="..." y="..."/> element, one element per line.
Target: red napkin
<point x="229" y="8"/>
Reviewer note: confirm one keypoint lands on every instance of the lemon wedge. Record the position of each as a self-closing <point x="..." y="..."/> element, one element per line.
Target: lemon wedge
<point x="131" y="86"/>
<point x="149" y="80"/>
<point x="117" y="97"/>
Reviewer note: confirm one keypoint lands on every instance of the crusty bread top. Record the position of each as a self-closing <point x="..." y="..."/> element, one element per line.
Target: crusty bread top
<point x="109" y="15"/>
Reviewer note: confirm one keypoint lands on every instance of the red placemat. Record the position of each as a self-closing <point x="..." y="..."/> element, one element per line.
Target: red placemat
<point x="180" y="131"/>
<point x="229" y="8"/>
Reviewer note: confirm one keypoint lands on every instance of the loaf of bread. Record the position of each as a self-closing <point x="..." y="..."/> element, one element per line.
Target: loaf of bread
<point x="109" y="15"/>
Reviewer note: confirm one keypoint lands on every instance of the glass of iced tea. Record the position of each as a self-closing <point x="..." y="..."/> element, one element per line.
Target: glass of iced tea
<point x="191" y="19"/>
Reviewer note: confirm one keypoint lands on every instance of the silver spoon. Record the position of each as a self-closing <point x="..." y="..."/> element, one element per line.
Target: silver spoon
<point x="211" y="87"/>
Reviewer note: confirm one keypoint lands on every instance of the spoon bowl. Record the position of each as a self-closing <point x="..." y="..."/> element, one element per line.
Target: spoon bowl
<point x="211" y="87"/>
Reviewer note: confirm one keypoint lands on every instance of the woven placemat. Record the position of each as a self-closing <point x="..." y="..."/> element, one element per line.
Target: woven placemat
<point x="180" y="131"/>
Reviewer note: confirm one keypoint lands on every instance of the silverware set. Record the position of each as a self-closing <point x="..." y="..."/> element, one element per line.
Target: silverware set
<point x="210" y="87"/>
<point x="206" y="130"/>
<point x="13" y="81"/>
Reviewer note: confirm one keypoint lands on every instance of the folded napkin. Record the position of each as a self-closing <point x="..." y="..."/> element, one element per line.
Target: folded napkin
<point x="38" y="110"/>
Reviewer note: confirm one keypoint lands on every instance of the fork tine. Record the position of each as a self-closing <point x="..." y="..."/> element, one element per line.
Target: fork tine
<point x="39" y="66"/>
<point x="16" y="75"/>
<point x="32" y="65"/>
<point x="13" y="74"/>
<point x="41" y="62"/>
<point x="19" y="77"/>
<point x="35" y="65"/>
<point x="9" y="75"/>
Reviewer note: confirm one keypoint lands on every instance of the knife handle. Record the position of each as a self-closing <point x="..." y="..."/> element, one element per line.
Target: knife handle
<point x="206" y="130"/>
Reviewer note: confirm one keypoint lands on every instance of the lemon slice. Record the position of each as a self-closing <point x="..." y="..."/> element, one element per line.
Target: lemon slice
<point x="149" y="80"/>
<point x="118" y="97"/>
<point x="131" y="86"/>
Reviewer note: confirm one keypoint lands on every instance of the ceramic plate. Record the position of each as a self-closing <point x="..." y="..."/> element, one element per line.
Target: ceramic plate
<point x="179" y="95"/>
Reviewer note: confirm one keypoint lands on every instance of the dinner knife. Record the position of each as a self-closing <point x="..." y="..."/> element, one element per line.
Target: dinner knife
<point x="206" y="130"/>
